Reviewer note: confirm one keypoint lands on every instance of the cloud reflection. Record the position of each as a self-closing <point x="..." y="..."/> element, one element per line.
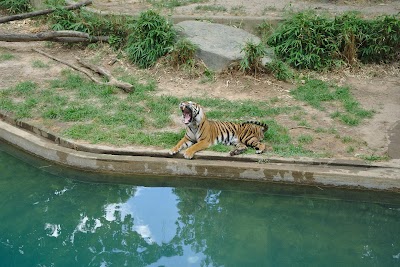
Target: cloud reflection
<point x="141" y="208"/>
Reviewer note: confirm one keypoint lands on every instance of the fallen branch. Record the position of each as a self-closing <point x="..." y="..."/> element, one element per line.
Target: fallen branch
<point x="42" y="12"/>
<point x="67" y="63"/>
<point x="55" y="36"/>
<point x="127" y="87"/>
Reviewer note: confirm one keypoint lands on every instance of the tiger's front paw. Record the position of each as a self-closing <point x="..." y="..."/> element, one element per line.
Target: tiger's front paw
<point x="188" y="155"/>
<point x="173" y="151"/>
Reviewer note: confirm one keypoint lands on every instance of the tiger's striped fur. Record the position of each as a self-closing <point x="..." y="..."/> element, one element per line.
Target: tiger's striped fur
<point x="201" y="133"/>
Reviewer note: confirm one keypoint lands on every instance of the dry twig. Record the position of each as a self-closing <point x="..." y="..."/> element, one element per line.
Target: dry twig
<point x="127" y="87"/>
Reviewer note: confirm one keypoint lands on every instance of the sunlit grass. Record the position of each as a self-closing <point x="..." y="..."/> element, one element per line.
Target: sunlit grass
<point x="104" y="114"/>
<point x="319" y="94"/>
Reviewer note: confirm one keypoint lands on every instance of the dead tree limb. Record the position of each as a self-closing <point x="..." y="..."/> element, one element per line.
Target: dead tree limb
<point x="43" y="12"/>
<point x="68" y="64"/>
<point x="112" y="81"/>
<point x="127" y="87"/>
<point x="55" y="36"/>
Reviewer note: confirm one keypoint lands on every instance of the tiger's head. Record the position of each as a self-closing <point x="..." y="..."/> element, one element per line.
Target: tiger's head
<point x="192" y="113"/>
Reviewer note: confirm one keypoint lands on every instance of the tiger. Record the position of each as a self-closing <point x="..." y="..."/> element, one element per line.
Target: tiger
<point x="201" y="133"/>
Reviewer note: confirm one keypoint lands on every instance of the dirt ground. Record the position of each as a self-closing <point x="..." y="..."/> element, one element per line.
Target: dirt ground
<point x="374" y="86"/>
<point x="257" y="8"/>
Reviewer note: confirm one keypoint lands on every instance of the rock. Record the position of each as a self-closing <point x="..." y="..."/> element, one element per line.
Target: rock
<point x="219" y="45"/>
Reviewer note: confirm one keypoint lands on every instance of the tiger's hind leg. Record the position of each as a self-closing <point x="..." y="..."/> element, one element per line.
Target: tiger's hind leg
<point x="239" y="148"/>
<point x="260" y="147"/>
<point x="255" y="143"/>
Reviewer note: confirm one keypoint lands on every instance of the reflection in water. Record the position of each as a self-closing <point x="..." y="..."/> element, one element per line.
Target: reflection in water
<point x="51" y="221"/>
<point x="153" y="227"/>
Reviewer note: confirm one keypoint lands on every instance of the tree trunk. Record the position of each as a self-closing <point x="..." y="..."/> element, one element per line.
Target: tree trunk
<point x="42" y="12"/>
<point x="55" y="36"/>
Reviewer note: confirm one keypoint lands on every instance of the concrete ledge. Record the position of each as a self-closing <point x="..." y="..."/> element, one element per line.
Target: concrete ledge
<point x="367" y="177"/>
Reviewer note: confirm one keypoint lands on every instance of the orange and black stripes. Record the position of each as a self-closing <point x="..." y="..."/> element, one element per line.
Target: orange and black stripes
<point x="202" y="133"/>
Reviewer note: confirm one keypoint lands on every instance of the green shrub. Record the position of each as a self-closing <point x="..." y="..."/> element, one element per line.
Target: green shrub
<point x="116" y="27"/>
<point x="16" y="6"/>
<point x="62" y="19"/>
<point x="307" y="41"/>
<point x="311" y="41"/>
<point x="381" y="41"/>
<point x="264" y="30"/>
<point x="145" y="39"/>
<point x="183" y="53"/>
<point x="280" y="70"/>
<point x="251" y="61"/>
<point x="151" y="38"/>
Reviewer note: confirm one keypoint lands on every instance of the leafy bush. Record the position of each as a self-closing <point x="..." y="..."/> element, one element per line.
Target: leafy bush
<point x="16" y="6"/>
<point x="183" y="53"/>
<point x="116" y="27"/>
<point x="381" y="41"/>
<point x="251" y="61"/>
<point x="264" y="30"/>
<point x="307" y="41"/>
<point x="152" y="37"/>
<point x="62" y="19"/>
<point x="280" y="70"/>
<point x="146" y="39"/>
<point x="311" y="41"/>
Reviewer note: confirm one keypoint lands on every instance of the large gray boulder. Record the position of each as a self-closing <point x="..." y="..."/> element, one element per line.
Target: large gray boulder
<point x="219" y="45"/>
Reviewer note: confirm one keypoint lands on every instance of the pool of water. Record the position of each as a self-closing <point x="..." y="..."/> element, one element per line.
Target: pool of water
<point x="53" y="216"/>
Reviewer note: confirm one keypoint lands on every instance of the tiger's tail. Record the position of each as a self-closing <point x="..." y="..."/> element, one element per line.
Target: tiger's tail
<point x="261" y="124"/>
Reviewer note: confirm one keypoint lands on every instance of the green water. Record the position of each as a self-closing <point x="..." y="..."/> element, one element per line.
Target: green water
<point x="51" y="216"/>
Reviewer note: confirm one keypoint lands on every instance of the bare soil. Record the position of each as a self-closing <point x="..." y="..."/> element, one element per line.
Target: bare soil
<point x="256" y="8"/>
<point x="374" y="86"/>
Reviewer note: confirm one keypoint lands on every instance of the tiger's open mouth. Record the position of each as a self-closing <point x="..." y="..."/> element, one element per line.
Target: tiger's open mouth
<point x="187" y="115"/>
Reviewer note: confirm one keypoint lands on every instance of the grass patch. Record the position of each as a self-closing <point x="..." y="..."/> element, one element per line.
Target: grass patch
<point x="350" y="149"/>
<point x="374" y="157"/>
<point x="6" y="56"/>
<point x="278" y="137"/>
<point x="238" y="10"/>
<point x="170" y="4"/>
<point x="221" y="148"/>
<point x="305" y="139"/>
<point x="219" y="109"/>
<point x="25" y="88"/>
<point x="39" y="64"/>
<point x="211" y="8"/>
<point x="317" y="93"/>
<point x="102" y="114"/>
